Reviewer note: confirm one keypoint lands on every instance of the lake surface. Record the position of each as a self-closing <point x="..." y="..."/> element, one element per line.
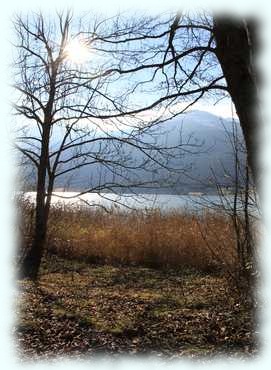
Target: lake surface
<point x="164" y="202"/>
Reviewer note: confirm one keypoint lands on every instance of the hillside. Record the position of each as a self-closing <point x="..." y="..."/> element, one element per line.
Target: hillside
<point x="207" y="151"/>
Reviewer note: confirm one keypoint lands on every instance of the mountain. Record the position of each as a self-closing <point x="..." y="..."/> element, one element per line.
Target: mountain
<point x="214" y="154"/>
<point x="206" y="152"/>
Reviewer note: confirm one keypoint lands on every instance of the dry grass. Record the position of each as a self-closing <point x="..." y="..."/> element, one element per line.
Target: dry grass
<point x="149" y="239"/>
<point x="124" y="306"/>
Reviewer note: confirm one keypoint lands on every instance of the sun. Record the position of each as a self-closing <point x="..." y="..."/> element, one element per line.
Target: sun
<point x="77" y="51"/>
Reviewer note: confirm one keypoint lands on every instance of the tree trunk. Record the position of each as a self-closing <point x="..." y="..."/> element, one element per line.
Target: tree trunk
<point x="32" y="261"/>
<point x="235" y="49"/>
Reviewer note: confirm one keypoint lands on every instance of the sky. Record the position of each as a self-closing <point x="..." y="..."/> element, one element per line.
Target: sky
<point x="223" y="109"/>
<point x="82" y="57"/>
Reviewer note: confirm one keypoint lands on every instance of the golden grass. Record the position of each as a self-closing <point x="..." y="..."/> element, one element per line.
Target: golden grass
<point x="138" y="238"/>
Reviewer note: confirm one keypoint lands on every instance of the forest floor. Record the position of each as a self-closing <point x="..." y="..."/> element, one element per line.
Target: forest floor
<point x="79" y="309"/>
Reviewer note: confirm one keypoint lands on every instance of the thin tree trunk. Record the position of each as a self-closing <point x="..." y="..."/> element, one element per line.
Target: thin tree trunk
<point x="32" y="261"/>
<point x="235" y="49"/>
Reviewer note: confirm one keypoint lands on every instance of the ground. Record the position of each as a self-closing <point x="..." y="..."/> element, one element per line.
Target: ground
<point x="80" y="309"/>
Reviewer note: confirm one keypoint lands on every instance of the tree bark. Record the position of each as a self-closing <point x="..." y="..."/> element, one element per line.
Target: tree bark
<point x="32" y="261"/>
<point x="31" y="264"/>
<point x="235" y="49"/>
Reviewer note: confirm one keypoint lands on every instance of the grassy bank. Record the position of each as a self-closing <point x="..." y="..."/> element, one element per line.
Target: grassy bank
<point x="151" y="239"/>
<point x="133" y="283"/>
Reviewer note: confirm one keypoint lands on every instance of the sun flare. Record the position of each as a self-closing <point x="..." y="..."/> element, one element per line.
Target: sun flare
<point x="77" y="51"/>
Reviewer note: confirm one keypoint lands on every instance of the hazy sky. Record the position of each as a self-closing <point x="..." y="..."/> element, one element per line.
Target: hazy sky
<point x="223" y="108"/>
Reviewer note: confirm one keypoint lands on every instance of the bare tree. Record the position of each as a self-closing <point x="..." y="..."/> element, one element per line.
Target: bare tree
<point x="64" y="111"/>
<point x="240" y="205"/>
<point x="178" y="59"/>
<point x="188" y="56"/>
<point x="236" y="47"/>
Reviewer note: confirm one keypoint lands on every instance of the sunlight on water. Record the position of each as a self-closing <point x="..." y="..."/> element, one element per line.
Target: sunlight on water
<point x="164" y="202"/>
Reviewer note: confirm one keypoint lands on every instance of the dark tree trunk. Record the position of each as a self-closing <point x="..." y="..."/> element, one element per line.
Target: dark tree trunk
<point x="31" y="264"/>
<point x="32" y="261"/>
<point x="235" y="49"/>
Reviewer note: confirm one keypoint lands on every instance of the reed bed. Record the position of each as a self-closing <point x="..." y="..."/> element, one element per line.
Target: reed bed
<point x="150" y="238"/>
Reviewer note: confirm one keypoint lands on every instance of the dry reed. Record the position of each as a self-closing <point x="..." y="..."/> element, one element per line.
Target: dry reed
<point x="174" y="239"/>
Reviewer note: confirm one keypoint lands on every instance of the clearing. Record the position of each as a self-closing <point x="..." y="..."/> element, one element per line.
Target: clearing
<point x="79" y="309"/>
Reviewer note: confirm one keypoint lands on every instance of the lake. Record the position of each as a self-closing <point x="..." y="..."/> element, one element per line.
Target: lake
<point x="164" y="202"/>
